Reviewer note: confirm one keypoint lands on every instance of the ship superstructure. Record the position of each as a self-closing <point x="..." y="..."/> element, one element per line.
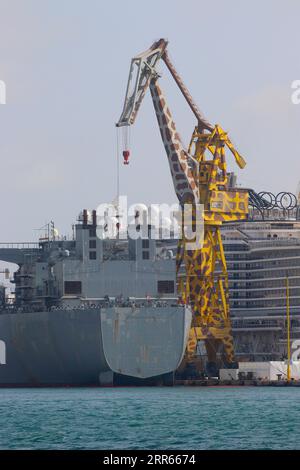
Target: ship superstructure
<point x="58" y="272"/>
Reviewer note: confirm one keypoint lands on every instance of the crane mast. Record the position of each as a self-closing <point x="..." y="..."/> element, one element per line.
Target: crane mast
<point x="199" y="175"/>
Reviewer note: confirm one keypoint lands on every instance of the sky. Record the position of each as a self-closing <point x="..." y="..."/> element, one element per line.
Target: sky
<point x="65" y="64"/>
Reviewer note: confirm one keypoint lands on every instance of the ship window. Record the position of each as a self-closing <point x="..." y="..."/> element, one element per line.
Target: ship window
<point x="145" y="254"/>
<point x="145" y="243"/>
<point x="165" y="287"/>
<point x="72" y="287"/>
<point x="92" y="232"/>
<point x="92" y="243"/>
<point x="93" y="255"/>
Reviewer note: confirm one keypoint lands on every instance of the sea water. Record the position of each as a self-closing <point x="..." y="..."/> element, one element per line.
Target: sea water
<point x="150" y="418"/>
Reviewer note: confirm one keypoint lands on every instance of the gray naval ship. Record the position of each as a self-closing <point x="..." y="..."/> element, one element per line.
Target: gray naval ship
<point x="91" y="311"/>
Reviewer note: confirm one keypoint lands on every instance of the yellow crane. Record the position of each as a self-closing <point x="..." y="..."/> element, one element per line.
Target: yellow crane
<point x="200" y="177"/>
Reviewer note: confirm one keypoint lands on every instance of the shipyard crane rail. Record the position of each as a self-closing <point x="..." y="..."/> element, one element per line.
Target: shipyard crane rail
<point x="199" y="175"/>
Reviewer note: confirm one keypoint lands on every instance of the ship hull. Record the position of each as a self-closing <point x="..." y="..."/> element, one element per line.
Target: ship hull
<point x="86" y="346"/>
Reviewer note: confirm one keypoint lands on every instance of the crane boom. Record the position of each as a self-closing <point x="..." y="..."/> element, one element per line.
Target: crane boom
<point x="142" y="69"/>
<point x="143" y="75"/>
<point x="202" y="122"/>
<point x="185" y="185"/>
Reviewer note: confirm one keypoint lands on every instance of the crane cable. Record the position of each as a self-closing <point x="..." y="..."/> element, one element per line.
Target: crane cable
<point x="118" y="163"/>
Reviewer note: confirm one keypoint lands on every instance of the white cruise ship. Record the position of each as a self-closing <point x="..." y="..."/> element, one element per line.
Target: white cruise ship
<point x="262" y="255"/>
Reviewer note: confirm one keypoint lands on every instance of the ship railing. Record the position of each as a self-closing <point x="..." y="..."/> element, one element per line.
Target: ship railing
<point x="108" y="302"/>
<point x="271" y="242"/>
<point x="97" y="303"/>
<point x="19" y="245"/>
<point x="255" y="323"/>
<point x="252" y="244"/>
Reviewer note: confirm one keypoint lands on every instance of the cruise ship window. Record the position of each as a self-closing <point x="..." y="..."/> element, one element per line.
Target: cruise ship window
<point x="92" y="233"/>
<point x="93" y="254"/>
<point x="145" y="254"/>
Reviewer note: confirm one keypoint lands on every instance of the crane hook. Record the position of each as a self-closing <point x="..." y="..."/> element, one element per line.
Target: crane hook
<point x="126" y="154"/>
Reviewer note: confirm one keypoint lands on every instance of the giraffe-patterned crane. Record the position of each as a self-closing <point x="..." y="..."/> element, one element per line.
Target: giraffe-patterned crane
<point x="200" y="177"/>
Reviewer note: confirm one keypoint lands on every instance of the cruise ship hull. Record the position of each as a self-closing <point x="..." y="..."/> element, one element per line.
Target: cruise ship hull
<point x="86" y="346"/>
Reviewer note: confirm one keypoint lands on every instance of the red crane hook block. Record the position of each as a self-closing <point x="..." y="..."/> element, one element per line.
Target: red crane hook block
<point x="126" y="154"/>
